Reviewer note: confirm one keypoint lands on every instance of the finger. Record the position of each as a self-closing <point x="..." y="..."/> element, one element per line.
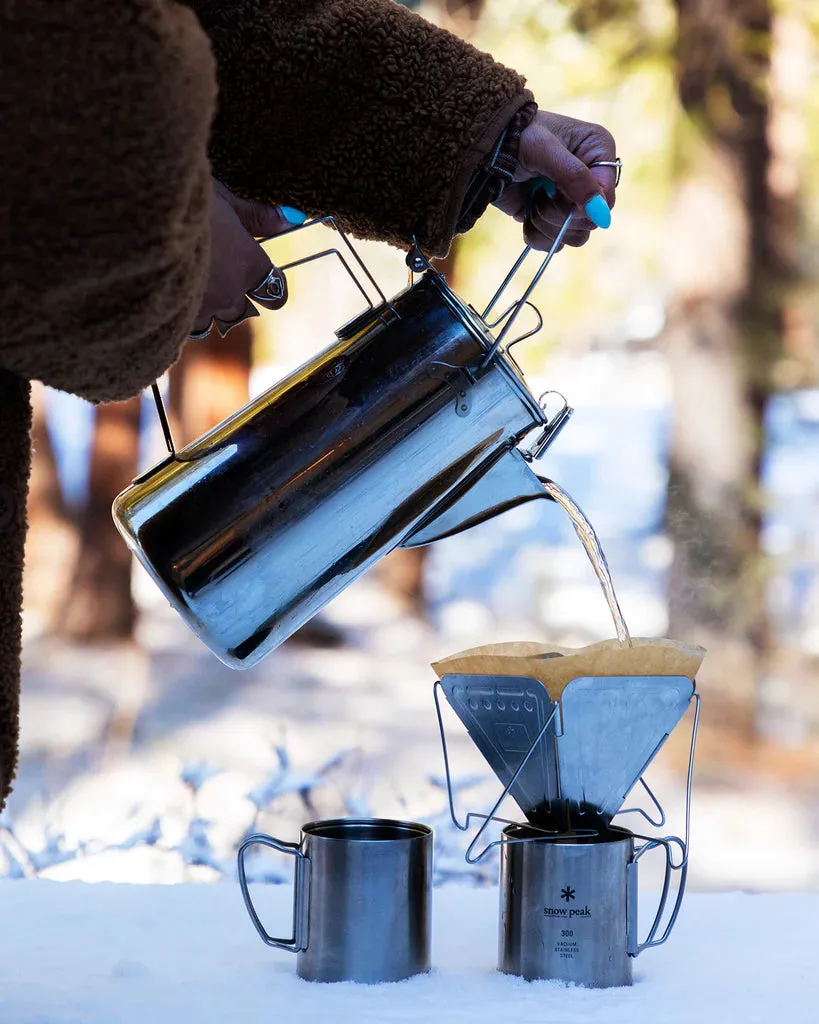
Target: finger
<point x="592" y="144"/>
<point x="543" y="241"/>
<point x="257" y="218"/>
<point x="248" y="267"/>
<point x="261" y="220"/>
<point x="576" y="238"/>
<point x="606" y="177"/>
<point x="272" y="291"/>
<point x="224" y="327"/>
<point x="201" y="327"/>
<point x="551" y="213"/>
<point x="571" y="176"/>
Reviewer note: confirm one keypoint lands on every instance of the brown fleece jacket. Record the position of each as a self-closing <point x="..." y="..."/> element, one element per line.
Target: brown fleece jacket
<point x="352" y="107"/>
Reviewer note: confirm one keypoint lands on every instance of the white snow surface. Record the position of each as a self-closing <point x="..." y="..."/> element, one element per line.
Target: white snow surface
<point x="79" y="953"/>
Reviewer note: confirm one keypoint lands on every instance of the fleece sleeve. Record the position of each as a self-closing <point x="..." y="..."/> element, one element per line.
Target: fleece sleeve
<point x="105" y="114"/>
<point x="358" y="108"/>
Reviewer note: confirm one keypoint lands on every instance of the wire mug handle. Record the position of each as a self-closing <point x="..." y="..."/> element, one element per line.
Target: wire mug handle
<point x="634" y="946"/>
<point x="301" y="892"/>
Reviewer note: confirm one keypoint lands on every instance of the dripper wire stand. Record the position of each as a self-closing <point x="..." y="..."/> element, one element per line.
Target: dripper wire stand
<point x="492" y="815"/>
<point x="669" y="842"/>
<point x="649" y="842"/>
<point x="641" y="810"/>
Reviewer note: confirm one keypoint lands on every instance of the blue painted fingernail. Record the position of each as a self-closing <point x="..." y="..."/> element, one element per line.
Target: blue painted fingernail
<point x="293" y="216"/>
<point x="598" y="212"/>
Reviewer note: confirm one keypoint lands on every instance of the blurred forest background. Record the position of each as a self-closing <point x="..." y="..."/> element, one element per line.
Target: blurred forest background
<point x="687" y="339"/>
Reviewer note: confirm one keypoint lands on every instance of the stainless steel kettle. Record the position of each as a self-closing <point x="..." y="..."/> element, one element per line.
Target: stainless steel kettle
<point x="404" y="430"/>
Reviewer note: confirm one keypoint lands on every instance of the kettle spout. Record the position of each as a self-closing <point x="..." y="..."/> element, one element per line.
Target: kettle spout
<point x="509" y="482"/>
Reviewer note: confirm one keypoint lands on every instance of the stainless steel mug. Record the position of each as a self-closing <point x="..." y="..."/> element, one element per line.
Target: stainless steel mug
<point x="568" y="907"/>
<point x="404" y="430"/>
<point x="362" y="900"/>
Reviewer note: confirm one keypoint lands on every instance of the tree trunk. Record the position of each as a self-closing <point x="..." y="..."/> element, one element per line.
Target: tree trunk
<point x="723" y="340"/>
<point x="51" y="541"/>
<point x="210" y="381"/>
<point x="99" y="605"/>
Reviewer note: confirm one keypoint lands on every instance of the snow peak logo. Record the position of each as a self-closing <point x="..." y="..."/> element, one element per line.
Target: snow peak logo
<point x="566" y="912"/>
<point x="567" y="894"/>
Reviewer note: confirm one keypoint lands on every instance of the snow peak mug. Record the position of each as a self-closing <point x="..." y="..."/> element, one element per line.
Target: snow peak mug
<point x="568" y="907"/>
<point x="362" y="899"/>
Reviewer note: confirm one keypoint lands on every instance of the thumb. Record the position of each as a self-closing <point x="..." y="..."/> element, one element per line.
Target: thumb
<point x="260" y="219"/>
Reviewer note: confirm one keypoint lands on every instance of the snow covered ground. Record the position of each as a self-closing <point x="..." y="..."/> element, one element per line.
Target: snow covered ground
<point x="117" y="954"/>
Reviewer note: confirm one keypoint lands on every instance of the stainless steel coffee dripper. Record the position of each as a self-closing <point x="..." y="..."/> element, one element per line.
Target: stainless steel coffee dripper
<point x="406" y="429"/>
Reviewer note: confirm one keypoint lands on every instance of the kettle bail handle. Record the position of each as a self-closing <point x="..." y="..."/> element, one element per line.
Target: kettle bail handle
<point x="523" y="301"/>
<point x="163" y="419"/>
<point x="330" y="220"/>
<point x="539" y="184"/>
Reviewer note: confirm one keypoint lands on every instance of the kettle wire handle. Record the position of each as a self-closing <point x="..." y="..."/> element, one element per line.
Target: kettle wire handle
<point x="524" y="299"/>
<point x="538" y="185"/>
<point x="331" y="221"/>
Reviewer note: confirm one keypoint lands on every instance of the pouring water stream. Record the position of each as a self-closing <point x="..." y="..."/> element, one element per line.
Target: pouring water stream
<point x="591" y="543"/>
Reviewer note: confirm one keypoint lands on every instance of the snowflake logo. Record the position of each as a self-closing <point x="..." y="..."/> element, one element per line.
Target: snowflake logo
<point x="567" y="893"/>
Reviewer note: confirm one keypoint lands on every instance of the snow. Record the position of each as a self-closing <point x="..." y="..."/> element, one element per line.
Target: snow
<point x="76" y="953"/>
<point x="177" y="758"/>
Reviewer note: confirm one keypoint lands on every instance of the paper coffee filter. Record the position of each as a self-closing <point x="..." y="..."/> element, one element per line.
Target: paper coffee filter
<point x="557" y="666"/>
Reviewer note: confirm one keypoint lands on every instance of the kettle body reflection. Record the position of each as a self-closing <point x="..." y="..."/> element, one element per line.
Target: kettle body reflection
<point x="400" y="432"/>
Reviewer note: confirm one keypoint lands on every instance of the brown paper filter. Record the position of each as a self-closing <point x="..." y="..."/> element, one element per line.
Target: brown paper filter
<point x="555" y="666"/>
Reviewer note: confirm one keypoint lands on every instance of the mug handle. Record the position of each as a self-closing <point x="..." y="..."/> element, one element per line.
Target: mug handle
<point x="301" y="892"/>
<point x="633" y="946"/>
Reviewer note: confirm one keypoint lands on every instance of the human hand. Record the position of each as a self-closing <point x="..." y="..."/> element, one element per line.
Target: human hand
<point x="238" y="264"/>
<point x="563" y="149"/>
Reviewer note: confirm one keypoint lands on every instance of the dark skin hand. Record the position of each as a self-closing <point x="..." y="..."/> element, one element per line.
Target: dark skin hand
<point x="561" y="148"/>
<point x="553" y="146"/>
<point x="238" y="262"/>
